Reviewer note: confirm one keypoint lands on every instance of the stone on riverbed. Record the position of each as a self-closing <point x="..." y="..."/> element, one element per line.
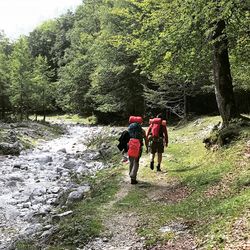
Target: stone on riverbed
<point x="70" y="164"/>
<point x="78" y="194"/>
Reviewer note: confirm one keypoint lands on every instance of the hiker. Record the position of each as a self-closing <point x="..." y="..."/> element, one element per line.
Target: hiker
<point x="135" y="145"/>
<point x="157" y="135"/>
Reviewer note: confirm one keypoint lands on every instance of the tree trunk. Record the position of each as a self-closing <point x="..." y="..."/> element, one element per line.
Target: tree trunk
<point x="185" y="103"/>
<point x="222" y="75"/>
<point x="43" y="96"/>
<point x="21" y="103"/>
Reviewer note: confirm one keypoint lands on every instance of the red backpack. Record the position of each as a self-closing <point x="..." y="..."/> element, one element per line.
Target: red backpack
<point x="156" y="127"/>
<point x="134" y="146"/>
<point x="137" y="119"/>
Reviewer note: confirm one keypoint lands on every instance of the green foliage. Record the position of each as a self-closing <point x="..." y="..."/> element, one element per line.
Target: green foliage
<point x="113" y="58"/>
<point x="74" y="76"/>
<point x="21" y="74"/>
<point x="4" y="74"/>
<point x="42" y="87"/>
<point x="41" y="41"/>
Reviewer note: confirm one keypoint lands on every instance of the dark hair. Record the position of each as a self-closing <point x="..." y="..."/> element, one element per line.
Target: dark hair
<point x="159" y="116"/>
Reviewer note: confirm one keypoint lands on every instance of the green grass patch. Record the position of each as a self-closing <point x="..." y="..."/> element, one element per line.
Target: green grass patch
<point x="71" y="118"/>
<point x="216" y="185"/>
<point x="199" y="170"/>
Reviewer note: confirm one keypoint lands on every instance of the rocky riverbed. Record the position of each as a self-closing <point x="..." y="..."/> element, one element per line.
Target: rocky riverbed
<point x="32" y="183"/>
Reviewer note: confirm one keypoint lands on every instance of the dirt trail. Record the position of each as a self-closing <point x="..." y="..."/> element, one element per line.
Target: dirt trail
<point x="120" y="233"/>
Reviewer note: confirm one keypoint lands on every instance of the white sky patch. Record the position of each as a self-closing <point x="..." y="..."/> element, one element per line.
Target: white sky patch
<point x="19" y="17"/>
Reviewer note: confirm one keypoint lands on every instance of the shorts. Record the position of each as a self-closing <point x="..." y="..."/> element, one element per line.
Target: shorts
<point x="156" y="146"/>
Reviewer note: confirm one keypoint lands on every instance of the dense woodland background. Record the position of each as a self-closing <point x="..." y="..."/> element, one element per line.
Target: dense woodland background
<point x="113" y="58"/>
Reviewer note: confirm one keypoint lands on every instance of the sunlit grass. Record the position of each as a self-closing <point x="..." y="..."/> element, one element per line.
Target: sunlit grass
<point x="70" y="118"/>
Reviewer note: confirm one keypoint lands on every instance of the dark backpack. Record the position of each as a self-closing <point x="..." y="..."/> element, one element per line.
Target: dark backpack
<point x="123" y="141"/>
<point x="135" y="131"/>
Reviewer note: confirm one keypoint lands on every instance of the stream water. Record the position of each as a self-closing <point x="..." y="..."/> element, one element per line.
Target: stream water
<point x="31" y="183"/>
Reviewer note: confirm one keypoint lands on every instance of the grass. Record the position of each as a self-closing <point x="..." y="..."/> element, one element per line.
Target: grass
<point x="71" y="118"/>
<point x="204" y="189"/>
<point x="200" y="171"/>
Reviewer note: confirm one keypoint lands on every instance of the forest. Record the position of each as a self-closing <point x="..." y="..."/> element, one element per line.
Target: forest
<point x="113" y="58"/>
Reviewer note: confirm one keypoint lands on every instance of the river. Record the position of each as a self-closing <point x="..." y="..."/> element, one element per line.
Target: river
<point x="31" y="183"/>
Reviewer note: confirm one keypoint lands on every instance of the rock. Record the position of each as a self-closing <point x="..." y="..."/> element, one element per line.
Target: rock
<point x="63" y="150"/>
<point x="11" y="184"/>
<point x="59" y="170"/>
<point x="52" y="201"/>
<point x="81" y="169"/>
<point x="105" y="239"/>
<point x="27" y="205"/>
<point x="16" y="178"/>
<point x="24" y="167"/>
<point x="70" y="164"/>
<point x="47" y="233"/>
<point x="44" y="210"/>
<point x="32" y="229"/>
<point x="78" y="194"/>
<point x="57" y="217"/>
<point x="45" y="181"/>
<point x="17" y="165"/>
<point x="45" y="159"/>
<point x="39" y="191"/>
<point x="55" y="190"/>
<point x="47" y="227"/>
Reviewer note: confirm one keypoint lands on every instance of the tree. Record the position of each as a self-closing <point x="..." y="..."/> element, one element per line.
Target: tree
<point x="5" y="50"/>
<point x="173" y="72"/>
<point x="180" y="37"/>
<point x="21" y="74"/>
<point x="42" y="87"/>
<point x="116" y="86"/>
<point x="74" y="74"/>
<point x="41" y="41"/>
<point x="222" y="74"/>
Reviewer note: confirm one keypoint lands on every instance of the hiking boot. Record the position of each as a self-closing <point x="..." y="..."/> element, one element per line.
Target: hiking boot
<point x="134" y="181"/>
<point x="158" y="168"/>
<point x="152" y="165"/>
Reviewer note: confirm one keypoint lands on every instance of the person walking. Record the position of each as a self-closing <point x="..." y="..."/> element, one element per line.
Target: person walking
<point x="135" y="146"/>
<point x="157" y="136"/>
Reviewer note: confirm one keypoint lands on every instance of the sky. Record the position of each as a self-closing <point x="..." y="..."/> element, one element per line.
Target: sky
<point x="19" y="17"/>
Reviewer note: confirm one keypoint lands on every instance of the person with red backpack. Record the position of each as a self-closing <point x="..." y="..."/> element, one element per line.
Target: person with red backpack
<point x="135" y="145"/>
<point x="157" y="135"/>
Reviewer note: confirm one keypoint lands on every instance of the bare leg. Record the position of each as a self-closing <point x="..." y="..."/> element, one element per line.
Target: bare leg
<point x="159" y="161"/>
<point x="134" y="166"/>
<point x="159" y="158"/>
<point x="152" y="157"/>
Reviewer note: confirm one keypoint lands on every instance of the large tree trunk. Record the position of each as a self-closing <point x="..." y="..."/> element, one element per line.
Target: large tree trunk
<point x="222" y="75"/>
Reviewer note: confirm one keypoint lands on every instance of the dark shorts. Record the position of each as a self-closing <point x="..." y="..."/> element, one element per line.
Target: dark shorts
<point x="156" y="146"/>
